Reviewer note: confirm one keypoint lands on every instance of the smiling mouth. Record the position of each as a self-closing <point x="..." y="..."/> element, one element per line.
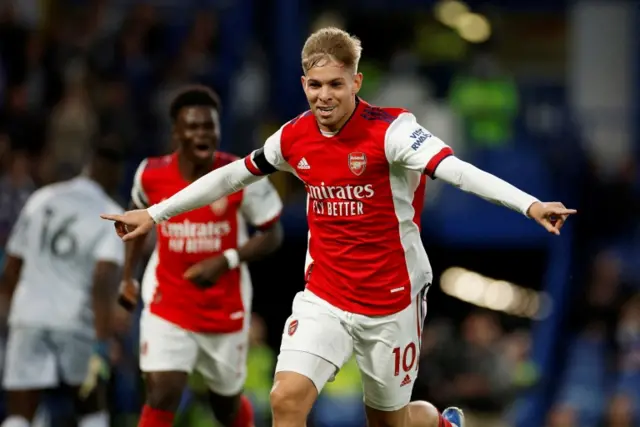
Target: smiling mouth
<point x="325" y="111"/>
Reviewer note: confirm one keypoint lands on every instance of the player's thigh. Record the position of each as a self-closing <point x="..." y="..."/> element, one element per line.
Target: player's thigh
<point x="387" y="351"/>
<point x="30" y="360"/>
<point x="222" y="361"/>
<point x="317" y="329"/>
<point x="73" y="352"/>
<point x="164" y="346"/>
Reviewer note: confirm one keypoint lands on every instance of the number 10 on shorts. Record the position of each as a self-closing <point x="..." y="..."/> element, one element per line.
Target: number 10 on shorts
<point x="404" y="358"/>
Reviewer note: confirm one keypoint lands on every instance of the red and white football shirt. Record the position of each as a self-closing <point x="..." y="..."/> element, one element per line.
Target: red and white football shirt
<point x="365" y="191"/>
<point x="194" y="236"/>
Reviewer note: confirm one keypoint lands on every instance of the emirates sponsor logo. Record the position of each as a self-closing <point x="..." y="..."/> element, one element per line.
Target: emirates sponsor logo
<point x="340" y="192"/>
<point x="189" y="229"/>
<point x="194" y="237"/>
<point x="339" y="200"/>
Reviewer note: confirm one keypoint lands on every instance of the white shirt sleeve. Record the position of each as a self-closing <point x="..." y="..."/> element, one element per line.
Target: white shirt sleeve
<point x="261" y="204"/>
<point x="206" y="190"/>
<point x="138" y="195"/>
<point x="469" y="178"/>
<point x="413" y="147"/>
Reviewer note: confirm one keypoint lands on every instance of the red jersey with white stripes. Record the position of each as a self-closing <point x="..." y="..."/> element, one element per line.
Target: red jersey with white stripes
<point x="194" y="236"/>
<point x="365" y="191"/>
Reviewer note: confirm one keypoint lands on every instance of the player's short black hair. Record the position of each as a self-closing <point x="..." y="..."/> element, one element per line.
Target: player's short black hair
<point x="194" y="96"/>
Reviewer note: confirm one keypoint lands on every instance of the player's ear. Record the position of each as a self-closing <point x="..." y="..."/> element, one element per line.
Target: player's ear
<point x="303" y="80"/>
<point x="357" y="82"/>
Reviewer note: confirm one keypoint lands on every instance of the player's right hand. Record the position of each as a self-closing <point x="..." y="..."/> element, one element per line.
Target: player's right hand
<point x="550" y="215"/>
<point x="131" y="224"/>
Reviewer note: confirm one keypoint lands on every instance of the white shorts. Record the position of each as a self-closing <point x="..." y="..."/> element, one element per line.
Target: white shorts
<point x="386" y="347"/>
<point x="220" y="358"/>
<point x="38" y="359"/>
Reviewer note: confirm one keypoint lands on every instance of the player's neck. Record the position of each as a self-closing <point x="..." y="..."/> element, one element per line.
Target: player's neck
<point x="191" y="171"/>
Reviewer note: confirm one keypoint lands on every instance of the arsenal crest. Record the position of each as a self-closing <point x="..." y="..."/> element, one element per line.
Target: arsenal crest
<point x="293" y="326"/>
<point x="357" y="163"/>
<point x="219" y="206"/>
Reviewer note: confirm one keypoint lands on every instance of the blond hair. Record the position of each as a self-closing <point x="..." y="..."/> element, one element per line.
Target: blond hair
<point x="329" y="44"/>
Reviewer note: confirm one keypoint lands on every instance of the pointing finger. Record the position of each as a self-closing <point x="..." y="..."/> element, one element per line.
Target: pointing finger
<point x="112" y="217"/>
<point x="563" y="211"/>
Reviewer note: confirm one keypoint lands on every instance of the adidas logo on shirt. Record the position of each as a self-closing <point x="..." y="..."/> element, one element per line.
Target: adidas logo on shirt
<point x="302" y="164"/>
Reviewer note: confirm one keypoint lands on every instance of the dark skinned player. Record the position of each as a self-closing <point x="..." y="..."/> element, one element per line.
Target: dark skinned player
<point x="196" y="287"/>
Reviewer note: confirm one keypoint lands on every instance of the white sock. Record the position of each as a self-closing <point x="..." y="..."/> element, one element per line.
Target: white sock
<point x="15" y="421"/>
<point x="97" y="419"/>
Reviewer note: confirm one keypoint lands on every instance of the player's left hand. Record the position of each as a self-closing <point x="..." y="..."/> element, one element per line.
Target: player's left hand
<point x="550" y="215"/>
<point x="206" y="273"/>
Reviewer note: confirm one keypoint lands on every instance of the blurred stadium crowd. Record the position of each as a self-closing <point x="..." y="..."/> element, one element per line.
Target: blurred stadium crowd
<point x="78" y="71"/>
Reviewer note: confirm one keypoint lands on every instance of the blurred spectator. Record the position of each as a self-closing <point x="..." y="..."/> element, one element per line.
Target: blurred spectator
<point x="73" y="125"/>
<point x="482" y="383"/>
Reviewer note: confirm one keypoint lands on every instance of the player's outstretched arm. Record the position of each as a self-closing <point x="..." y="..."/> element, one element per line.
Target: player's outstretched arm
<point x="206" y="190"/>
<point x="413" y="147"/>
<point x="469" y="178"/>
